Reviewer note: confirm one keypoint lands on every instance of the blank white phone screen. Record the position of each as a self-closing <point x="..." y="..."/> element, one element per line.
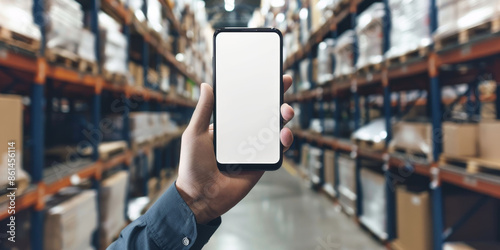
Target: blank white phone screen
<point x="247" y="97"/>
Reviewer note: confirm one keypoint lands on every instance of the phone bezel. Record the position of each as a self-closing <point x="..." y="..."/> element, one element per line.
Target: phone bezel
<point x="232" y="167"/>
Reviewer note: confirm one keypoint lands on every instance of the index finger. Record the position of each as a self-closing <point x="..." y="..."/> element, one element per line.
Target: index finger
<point x="287" y="82"/>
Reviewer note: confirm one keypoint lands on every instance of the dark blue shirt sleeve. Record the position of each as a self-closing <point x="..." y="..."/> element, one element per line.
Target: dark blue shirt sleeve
<point x="168" y="224"/>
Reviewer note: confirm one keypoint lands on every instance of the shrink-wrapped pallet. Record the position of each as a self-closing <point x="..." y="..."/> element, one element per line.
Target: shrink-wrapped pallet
<point x="457" y="16"/>
<point x="374" y="208"/>
<point x="113" y="45"/>
<point x="314" y="165"/>
<point x="347" y="184"/>
<point x="344" y="55"/>
<point x="65" y="25"/>
<point x="370" y="37"/>
<point x="410" y="26"/>
<point x="372" y="134"/>
<point x="17" y="16"/>
<point x="325" y="60"/>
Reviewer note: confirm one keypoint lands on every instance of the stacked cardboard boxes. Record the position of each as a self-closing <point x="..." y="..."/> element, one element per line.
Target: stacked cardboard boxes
<point x="329" y="170"/>
<point x="70" y="221"/>
<point x="11" y="110"/>
<point x="369" y="32"/>
<point x="472" y="140"/>
<point x="112" y="206"/>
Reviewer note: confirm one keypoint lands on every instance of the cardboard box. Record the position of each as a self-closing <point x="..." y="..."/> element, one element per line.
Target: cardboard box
<point x="304" y="156"/>
<point x="112" y="206"/>
<point x="71" y="223"/>
<point x="489" y="140"/>
<point x="329" y="166"/>
<point x="414" y="221"/>
<point x="11" y="111"/>
<point x="459" y="139"/>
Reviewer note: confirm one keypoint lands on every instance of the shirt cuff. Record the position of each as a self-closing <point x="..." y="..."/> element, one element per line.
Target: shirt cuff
<point x="172" y="224"/>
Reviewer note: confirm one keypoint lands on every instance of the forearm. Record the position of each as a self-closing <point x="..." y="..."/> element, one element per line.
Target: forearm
<point x="168" y="224"/>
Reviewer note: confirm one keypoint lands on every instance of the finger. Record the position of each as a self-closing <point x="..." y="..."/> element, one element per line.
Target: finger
<point x="287" y="82"/>
<point x="286" y="138"/>
<point x="203" y="112"/>
<point x="287" y="113"/>
<point x="211" y="126"/>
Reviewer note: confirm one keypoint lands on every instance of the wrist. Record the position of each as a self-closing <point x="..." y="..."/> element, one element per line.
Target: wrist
<point x="198" y="204"/>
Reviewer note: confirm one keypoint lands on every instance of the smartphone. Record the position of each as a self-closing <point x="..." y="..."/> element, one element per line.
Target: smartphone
<point x="248" y="91"/>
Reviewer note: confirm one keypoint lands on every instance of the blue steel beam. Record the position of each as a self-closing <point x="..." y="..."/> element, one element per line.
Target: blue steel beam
<point x="437" y="218"/>
<point x="357" y="111"/>
<point x="96" y="118"/>
<point x="436" y="115"/>
<point x="387" y="114"/>
<point x="390" y="204"/>
<point x="96" y="185"/>
<point x="37" y="125"/>
<point x="359" y="191"/>
<point x="496" y="77"/>
<point x="367" y="110"/>
<point x="389" y="187"/>
<point x="336" y="133"/>
<point x="38" y="141"/>
<point x="126" y="117"/>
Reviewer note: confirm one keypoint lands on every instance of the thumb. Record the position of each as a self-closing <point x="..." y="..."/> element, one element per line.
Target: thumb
<point x="203" y="112"/>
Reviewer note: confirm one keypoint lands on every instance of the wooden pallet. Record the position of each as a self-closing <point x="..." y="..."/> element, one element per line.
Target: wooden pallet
<point x="471" y="164"/>
<point x="411" y="154"/>
<point x="371" y="68"/>
<point x="342" y="5"/>
<point x="110" y="149"/>
<point x="22" y="183"/>
<point x="343" y="78"/>
<point x="464" y="36"/>
<point x="408" y="56"/>
<point x="19" y="40"/>
<point x="114" y="77"/>
<point x="85" y="66"/>
<point x="62" y="57"/>
<point x="370" y="144"/>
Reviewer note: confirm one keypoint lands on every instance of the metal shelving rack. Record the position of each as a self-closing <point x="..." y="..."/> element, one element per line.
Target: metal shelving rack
<point x="426" y="73"/>
<point x="40" y="71"/>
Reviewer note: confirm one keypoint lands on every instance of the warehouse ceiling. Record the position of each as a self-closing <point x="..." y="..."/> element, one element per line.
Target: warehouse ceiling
<point x="230" y="13"/>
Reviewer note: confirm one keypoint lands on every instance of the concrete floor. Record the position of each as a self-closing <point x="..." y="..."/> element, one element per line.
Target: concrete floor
<point x="282" y="213"/>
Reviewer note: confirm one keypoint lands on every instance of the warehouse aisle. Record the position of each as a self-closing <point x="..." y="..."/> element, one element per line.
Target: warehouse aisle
<point x="282" y="213"/>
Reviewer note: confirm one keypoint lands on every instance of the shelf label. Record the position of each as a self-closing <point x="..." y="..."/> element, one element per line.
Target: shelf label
<point x="3" y="53"/>
<point x="369" y="77"/>
<point x="470" y="181"/>
<point x="465" y="51"/>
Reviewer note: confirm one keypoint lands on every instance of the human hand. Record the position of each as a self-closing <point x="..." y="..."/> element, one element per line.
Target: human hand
<point x="208" y="192"/>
